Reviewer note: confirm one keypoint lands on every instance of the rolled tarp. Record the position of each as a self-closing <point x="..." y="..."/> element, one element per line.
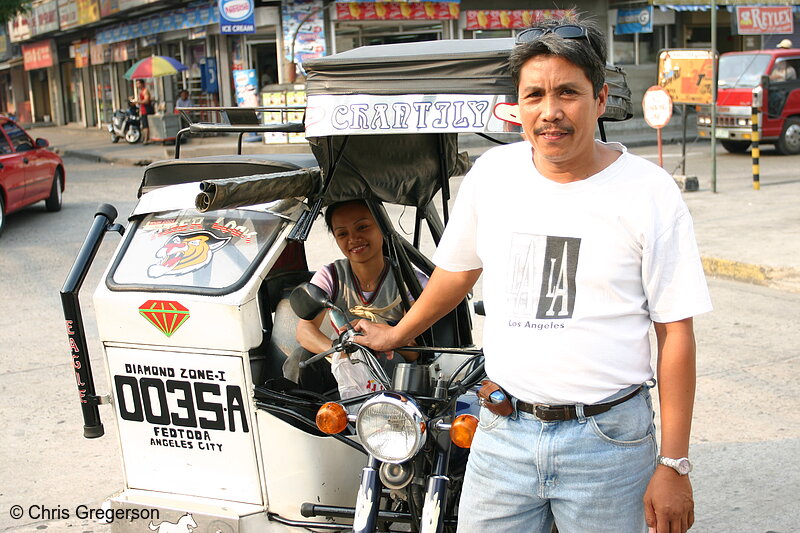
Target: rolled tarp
<point x="231" y="193"/>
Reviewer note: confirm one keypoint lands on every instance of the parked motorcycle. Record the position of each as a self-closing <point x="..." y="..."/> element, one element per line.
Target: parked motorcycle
<point x="125" y="124"/>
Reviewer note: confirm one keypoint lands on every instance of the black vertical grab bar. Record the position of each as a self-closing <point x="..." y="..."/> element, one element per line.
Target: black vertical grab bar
<point x="103" y="222"/>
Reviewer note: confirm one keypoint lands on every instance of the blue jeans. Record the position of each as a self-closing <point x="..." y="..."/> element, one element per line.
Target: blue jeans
<point x="589" y="474"/>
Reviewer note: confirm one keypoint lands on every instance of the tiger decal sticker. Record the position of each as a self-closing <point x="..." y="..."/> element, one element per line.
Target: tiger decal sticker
<point x="186" y="252"/>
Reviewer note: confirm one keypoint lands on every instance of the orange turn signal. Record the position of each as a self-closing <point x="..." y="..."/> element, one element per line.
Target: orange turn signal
<point x="463" y="429"/>
<point x="331" y="418"/>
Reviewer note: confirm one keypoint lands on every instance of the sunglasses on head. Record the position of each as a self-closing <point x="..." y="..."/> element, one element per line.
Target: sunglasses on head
<point x="565" y="31"/>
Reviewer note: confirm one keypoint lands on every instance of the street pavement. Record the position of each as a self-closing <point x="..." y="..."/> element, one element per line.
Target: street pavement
<point x="745" y="479"/>
<point x="744" y="234"/>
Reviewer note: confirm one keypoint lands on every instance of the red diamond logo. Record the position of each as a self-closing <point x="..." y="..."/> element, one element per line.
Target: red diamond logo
<point x="165" y="315"/>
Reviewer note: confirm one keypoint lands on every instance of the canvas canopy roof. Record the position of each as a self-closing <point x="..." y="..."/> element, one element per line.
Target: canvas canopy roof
<point x="464" y="66"/>
<point x="377" y="89"/>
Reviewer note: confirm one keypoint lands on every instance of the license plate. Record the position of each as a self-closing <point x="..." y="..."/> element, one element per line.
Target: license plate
<point x="722" y="133"/>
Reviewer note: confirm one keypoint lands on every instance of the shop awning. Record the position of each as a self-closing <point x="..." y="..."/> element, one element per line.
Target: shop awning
<point x="174" y="19"/>
<point x="704" y="5"/>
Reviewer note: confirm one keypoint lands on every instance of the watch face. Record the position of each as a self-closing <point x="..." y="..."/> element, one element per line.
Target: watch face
<point x="684" y="466"/>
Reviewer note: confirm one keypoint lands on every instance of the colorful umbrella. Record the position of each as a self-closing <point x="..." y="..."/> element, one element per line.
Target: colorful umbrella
<point x="154" y="67"/>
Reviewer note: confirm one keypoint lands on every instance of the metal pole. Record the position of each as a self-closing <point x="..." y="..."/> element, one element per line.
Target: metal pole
<point x="755" y="153"/>
<point x="713" y="96"/>
<point x="92" y="426"/>
<point x="683" y="143"/>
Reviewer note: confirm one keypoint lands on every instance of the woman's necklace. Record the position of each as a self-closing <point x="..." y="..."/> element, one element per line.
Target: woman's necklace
<point x="368" y="286"/>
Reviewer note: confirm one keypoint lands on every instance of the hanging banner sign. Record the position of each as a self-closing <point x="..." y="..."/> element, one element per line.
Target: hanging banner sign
<point x="686" y="75"/>
<point x="421" y="113"/>
<point x="397" y="10"/>
<point x="237" y="16"/>
<point x="19" y="29"/>
<point x="81" y="54"/>
<point x="639" y="20"/>
<point x="38" y="55"/>
<point x="5" y="45"/>
<point x="67" y="14"/>
<point x="303" y="30"/>
<point x="88" y="11"/>
<point x="99" y="53"/>
<point x="758" y="20"/>
<point x="503" y="19"/>
<point x="44" y="17"/>
<point x="123" y="51"/>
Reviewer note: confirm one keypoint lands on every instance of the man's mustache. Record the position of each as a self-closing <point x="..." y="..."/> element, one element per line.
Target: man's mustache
<point x="554" y="128"/>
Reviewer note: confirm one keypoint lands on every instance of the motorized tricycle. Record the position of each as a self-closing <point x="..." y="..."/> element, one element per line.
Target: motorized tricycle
<point x="198" y="308"/>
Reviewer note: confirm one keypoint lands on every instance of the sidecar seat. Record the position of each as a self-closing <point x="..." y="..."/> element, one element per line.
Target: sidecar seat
<point x="278" y="324"/>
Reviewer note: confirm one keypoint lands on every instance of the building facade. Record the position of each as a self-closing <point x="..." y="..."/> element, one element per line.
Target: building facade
<point x="64" y="61"/>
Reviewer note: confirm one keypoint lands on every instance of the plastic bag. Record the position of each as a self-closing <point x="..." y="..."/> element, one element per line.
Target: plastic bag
<point x="353" y="376"/>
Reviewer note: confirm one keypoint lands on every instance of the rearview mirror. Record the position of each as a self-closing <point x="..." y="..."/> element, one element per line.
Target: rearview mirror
<point x="42" y="143"/>
<point x="307" y="300"/>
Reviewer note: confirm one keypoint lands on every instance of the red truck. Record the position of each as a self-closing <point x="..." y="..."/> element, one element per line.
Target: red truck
<point x="776" y="71"/>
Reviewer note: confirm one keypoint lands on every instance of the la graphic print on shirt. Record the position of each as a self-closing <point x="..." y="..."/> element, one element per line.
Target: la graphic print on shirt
<point x="541" y="280"/>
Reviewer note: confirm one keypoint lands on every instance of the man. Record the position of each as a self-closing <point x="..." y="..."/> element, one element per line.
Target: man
<point x="145" y="103"/>
<point x="184" y="100"/>
<point x="582" y="246"/>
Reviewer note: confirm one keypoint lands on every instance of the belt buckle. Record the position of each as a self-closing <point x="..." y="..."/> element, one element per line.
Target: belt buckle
<point x="543" y="411"/>
<point x="550" y="413"/>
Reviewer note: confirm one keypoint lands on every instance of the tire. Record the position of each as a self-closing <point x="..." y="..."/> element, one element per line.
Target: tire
<point x="132" y="135"/>
<point x="114" y="138"/>
<point x="53" y="202"/>
<point x="736" y="147"/>
<point x="2" y="215"/>
<point x="789" y="141"/>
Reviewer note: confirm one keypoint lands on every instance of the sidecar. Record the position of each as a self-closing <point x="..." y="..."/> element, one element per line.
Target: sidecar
<point x="193" y="312"/>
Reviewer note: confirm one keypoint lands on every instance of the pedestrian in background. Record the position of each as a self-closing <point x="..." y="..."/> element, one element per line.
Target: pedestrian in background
<point x="145" y="103"/>
<point x="582" y="247"/>
<point x="184" y="100"/>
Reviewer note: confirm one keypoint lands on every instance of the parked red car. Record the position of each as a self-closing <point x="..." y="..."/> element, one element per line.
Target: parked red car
<point x="29" y="172"/>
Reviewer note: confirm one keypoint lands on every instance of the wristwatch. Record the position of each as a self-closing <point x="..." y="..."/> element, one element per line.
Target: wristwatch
<point x="682" y="466"/>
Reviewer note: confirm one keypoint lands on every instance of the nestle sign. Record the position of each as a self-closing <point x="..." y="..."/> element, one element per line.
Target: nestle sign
<point x="236" y="16"/>
<point x="757" y="20"/>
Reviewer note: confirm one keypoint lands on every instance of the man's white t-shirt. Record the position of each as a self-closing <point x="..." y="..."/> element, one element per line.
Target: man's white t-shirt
<point x="573" y="274"/>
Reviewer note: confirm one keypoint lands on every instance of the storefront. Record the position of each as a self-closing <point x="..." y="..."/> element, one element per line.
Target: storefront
<point x="39" y="59"/>
<point x="183" y="34"/>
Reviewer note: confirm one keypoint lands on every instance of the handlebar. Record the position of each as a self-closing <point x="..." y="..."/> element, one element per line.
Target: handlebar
<point x="103" y="222"/>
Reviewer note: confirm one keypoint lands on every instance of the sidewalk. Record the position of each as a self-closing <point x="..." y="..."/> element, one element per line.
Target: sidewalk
<point x="742" y="233"/>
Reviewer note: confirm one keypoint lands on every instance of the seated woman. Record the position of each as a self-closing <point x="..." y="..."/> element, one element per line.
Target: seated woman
<point x="362" y="284"/>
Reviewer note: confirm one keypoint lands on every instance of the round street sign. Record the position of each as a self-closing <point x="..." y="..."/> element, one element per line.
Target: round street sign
<point x="657" y="106"/>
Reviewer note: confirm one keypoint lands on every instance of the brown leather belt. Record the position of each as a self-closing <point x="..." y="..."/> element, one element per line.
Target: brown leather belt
<point x="553" y="413"/>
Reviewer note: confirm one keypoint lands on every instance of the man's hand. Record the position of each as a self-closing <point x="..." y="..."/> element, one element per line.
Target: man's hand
<point x="668" y="502"/>
<point x="379" y="337"/>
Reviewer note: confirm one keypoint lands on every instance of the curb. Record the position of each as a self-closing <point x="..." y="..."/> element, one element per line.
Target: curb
<point x="96" y="158"/>
<point x="787" y="279"/>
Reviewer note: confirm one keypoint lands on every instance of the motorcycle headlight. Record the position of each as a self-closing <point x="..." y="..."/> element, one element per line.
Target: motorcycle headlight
<point x="391" y="428"/>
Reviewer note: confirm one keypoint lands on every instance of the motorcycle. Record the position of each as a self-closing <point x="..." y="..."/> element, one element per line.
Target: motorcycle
<point x="125" y="124"/>
<point x="197" y="321"/>
<point x="413" y="473"/>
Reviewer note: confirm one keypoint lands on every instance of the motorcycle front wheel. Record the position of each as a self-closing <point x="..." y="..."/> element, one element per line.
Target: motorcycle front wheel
<point x="133" y="134"/>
